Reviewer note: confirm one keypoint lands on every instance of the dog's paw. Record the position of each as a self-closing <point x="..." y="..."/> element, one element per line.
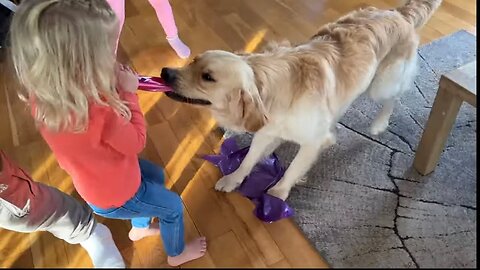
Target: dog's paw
<point x="228" y="183"/>
<point x="279" y="192"/>
<point x="378" y="127"/>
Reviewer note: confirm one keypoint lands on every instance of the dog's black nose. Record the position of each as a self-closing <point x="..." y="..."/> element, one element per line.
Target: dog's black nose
<point x="169" y="75"/>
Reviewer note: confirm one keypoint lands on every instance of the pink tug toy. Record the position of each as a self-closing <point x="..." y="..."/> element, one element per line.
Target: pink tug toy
<point x="152" y="84"/>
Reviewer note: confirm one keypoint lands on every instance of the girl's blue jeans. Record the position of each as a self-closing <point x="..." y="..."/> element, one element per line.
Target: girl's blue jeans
<point x="153" y="200"/>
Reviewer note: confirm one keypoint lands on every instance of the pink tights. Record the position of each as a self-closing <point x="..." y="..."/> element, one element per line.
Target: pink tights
<point x="166" y="19"/>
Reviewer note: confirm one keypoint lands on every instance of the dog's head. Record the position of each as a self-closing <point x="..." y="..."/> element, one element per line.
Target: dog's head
<point x="224" y="82"/>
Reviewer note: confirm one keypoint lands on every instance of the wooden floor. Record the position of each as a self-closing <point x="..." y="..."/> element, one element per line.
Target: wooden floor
<point x="179" y="134"/>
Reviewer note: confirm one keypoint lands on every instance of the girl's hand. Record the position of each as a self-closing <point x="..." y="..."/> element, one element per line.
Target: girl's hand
<point x="127" y="79"/>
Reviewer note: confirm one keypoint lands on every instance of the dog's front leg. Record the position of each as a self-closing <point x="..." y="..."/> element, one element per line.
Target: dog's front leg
<point x="262" y="145"/>
<point x="300" y="165"/>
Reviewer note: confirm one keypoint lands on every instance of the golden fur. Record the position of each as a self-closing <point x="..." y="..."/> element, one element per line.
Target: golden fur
<point x="298" y="93"/>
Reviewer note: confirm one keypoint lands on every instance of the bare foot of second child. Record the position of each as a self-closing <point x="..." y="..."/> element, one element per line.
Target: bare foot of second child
<point x="136" y="234"/>
<point x="193" y="250"/>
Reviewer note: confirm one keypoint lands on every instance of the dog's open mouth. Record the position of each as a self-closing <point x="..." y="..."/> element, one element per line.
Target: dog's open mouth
<point x="184" y="99"/>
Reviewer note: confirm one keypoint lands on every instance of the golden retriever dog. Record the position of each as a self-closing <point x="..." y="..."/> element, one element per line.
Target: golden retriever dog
<point x="299" y="93"/>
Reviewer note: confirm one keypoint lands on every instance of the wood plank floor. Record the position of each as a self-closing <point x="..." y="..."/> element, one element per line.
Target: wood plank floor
<point x="179" y="134"/>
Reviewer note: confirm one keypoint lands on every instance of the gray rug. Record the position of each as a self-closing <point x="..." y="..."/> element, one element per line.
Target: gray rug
<point x="363" y="205"/>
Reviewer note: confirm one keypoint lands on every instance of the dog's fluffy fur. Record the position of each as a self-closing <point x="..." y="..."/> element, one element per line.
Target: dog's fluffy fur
<point x="298" y="93"/>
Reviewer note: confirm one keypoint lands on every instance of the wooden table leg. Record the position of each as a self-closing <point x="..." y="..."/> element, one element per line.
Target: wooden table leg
<point x="442" y="117"/>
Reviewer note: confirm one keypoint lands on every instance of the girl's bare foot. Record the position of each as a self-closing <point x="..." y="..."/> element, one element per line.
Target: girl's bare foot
<point x="192" y="251"/>
<point x="136" y="234"/>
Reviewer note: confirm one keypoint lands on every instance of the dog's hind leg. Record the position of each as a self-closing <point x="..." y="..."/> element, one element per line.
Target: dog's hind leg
<point x="380" y="123"/>
<point x="300" y="165"/>
<point x="393" y="78"/>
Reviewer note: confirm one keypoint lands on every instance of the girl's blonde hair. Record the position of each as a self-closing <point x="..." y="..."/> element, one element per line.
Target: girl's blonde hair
<point x="63" y="54"/>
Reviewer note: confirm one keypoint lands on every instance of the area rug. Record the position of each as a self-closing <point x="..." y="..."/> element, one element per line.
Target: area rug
<point x="363" y="205"/>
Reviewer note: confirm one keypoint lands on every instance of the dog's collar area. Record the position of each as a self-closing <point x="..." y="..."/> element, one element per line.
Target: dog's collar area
<point x="184" y="99"/>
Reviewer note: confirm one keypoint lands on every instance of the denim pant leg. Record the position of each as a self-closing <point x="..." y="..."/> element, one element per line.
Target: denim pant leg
<point x="154" y="198"/>
<point x="150" y="172"/>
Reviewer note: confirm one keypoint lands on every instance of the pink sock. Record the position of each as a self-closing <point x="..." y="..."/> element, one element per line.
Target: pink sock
<point x="118" y="7"/>
<point x="165" y="16"/>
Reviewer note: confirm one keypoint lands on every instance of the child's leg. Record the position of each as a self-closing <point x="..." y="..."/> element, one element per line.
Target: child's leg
<point x="67" y="219"/>
<point x="166" y="19"/>
<point x="102" y="249"/>
<point x="143" y="226"/>
<point x="34" y="207"/>
<point x="168" y="207"/>
<point x="75" y="223"/>
<point x="118" y="7"/>
<point x="154" y="200"/>
<point x="154" y="193"/>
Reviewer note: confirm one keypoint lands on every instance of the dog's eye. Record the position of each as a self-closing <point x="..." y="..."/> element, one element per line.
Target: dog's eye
<point x="207" y="77"/>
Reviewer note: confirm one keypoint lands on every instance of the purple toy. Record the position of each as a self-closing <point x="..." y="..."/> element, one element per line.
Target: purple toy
<point x="263" y="176"/>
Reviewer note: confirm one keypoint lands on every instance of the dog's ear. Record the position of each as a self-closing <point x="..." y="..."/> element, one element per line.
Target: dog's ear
<point x="244" y="104"/>
<point x="245" y="110"/>
<point x="255" y="113"/>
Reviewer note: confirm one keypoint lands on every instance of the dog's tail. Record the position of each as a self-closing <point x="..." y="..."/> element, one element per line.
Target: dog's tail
<point x="418" y="12"/>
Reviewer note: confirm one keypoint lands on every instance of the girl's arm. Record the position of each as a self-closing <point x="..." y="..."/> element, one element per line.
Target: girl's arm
<point x="127" y="137"/>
